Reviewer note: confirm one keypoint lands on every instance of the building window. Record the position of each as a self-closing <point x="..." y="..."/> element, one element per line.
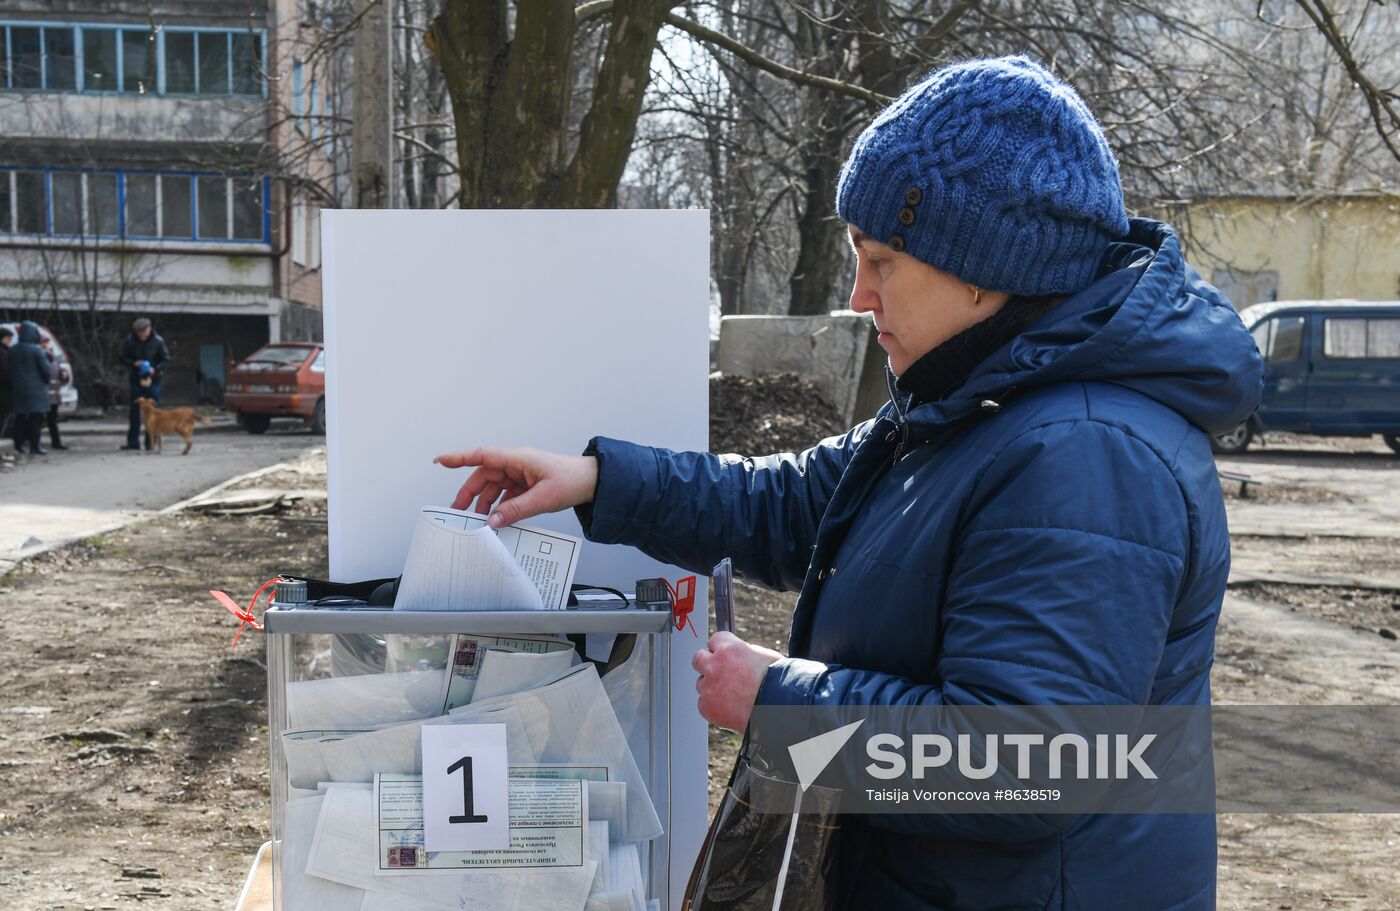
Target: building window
<point x="114" y="59"/>
<point x="100" y="60"/>
<point x="60" y="63"/>
<point x="213" y="63"/>
<point x="213" y="208"/>
<point x="296" y="93"/>
<point x="180" y="63"/>
<point x="68" y="203"/>
<point x="247" y="208"/>
<point x="66" y="197"/>
<point x="313" y="125"/>
<point x="26" y="58"/>
<point x="313" y="253"/>
<point x="31" y="202"/>
<point x="247" y="64"/>
<point x="103" y="207"/>
<point x="142" y="205"/>
<point x="138" y="61"/>
<point x="176" y="207"/>
<point x="1356" y="337"/>
<point x="299" y="232"/>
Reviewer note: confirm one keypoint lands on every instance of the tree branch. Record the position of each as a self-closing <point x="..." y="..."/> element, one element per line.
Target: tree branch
<point x="595" y="8"/>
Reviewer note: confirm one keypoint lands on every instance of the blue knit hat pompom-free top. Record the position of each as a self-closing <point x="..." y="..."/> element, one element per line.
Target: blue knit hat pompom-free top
<point x="994" y="171"/>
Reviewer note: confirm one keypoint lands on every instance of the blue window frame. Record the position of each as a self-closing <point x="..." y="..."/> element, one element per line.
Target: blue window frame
<point x="137" y="205"/>
<point x="98" y="58"/>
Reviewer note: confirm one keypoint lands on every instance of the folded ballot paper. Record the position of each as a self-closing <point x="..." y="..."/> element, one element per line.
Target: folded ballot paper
<point x="456" y="562"/>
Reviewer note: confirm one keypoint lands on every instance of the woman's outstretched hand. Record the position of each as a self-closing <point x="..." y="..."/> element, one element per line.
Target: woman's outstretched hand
<point x="527" y="481"/>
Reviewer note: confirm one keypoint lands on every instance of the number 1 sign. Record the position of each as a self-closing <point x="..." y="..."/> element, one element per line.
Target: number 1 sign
<point x="464" y="787"/>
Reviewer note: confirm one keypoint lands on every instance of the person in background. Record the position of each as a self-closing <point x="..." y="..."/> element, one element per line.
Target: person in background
<point x="7" y="427"/>
<point x="142" y="347"/>
<point x="59" y="377"/>
<point x="29" y="377"/>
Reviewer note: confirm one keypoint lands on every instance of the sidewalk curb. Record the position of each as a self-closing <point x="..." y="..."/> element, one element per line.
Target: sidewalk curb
<point x="8" y="565"/>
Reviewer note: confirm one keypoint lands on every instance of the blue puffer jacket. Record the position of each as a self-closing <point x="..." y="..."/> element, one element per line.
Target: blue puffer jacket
<point x="1053" y="534"/>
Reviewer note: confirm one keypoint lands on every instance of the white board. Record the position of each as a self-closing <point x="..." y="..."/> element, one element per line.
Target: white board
<point x="447" y="330"/>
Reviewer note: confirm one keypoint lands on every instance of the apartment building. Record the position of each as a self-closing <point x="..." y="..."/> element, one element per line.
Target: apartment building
<point x="163" y="158"/>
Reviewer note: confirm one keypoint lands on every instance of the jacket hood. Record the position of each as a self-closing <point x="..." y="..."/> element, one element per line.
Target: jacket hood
<point x="1148" y="322"/>
<point x="29" y="332"/>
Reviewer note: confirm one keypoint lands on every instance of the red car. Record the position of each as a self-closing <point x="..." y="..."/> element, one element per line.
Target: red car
<point x="284" y="379"/>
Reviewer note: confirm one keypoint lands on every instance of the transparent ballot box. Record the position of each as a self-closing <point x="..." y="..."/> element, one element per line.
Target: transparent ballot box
<point x="567" y="707"/>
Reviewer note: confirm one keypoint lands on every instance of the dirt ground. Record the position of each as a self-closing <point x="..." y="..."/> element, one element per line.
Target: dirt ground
<point x="133" y="749"/>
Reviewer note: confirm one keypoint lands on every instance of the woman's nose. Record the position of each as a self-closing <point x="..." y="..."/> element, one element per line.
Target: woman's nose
<point x="863" y="297"/>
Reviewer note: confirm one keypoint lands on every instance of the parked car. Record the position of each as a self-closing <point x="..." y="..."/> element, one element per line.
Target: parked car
<point x="1331" y="368"/>
<point x="283" y="379"/>
<point x="68" y="393"/>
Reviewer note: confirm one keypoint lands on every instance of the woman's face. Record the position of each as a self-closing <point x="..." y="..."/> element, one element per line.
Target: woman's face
<point x="916" y="307"/>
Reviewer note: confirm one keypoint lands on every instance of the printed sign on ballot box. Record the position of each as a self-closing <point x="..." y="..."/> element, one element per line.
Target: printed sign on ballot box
<point x="464" y="787"/>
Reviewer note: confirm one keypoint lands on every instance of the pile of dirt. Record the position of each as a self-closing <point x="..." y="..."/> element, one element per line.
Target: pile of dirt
<point x="761" y="415"/>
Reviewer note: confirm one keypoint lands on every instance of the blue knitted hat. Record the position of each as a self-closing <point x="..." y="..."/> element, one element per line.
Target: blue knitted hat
<point x="992" y="170"/>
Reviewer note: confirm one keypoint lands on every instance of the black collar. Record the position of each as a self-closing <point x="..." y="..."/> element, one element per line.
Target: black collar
<point x="941" y="371"/>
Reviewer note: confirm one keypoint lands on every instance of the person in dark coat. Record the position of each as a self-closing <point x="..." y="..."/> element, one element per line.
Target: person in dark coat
<point x="1033" y="518"/>
<point x="60" y="377"/>
<point x="29" y="379"/>
<point x="7" y="423"/>
<point x="144" y="356"/>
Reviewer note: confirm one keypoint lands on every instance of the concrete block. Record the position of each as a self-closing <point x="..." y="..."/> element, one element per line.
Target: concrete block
<point x="836" y="352"/>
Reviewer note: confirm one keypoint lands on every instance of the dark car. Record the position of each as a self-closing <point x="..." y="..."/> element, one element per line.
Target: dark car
<point x="284" y="379"/>
<point x="1331" y="368"/>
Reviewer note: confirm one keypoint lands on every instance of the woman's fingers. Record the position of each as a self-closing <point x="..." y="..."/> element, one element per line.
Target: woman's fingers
<point x="487" y="498"/>
<point x="476" y="482"/>
<point x="542" y="497"/>
<point x="526" y="482"/>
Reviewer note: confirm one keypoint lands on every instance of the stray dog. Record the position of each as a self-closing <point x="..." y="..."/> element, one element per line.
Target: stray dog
<point x="160" y="421"/>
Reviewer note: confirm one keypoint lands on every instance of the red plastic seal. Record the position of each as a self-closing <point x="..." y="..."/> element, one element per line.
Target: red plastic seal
<point x="683" y="602"/>
<point x="244" y="614"/>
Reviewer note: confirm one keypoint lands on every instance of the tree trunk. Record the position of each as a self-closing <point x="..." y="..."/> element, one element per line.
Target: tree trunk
<point x="510" y="96"/>
<point x="812" y="286"/>
<point x="371" y="146"/>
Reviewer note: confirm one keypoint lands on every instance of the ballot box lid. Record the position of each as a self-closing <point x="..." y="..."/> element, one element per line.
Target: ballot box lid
<point x="280" y="619"/>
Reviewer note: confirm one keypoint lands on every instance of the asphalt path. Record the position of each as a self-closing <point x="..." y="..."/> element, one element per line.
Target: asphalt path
<point x="94" y="487"/>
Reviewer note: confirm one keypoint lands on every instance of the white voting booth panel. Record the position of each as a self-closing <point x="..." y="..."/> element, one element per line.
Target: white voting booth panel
<point x="449" y="330"/>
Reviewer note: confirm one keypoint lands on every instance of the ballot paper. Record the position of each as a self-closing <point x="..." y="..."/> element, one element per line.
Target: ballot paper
<point x="456" y="562"/>
<point x="618" y="885"/>
<point x="572" y="722"/>
<point x="300" y="891"/>
<point x="504" y="672"/>
<point x="355" y="756"/>
<point x="548" y="828"/>
<point x="607" y="801"/>
<point x="466" y="659"/>
<point x="364" y="700"/>
<point x="345" y="844"/>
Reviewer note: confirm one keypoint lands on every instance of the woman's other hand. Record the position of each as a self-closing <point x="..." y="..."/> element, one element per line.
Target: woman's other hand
<point x="527" y="481"/>
<point x="731" y="671"/>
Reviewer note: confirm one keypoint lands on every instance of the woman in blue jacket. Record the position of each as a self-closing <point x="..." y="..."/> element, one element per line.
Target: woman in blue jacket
<point x="1033" y="519"/>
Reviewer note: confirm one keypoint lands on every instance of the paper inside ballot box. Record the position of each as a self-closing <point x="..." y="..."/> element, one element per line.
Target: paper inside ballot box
<point x="456" y="562"/>
<point x="567" y="721"/>
<point x="346" y="843"/>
